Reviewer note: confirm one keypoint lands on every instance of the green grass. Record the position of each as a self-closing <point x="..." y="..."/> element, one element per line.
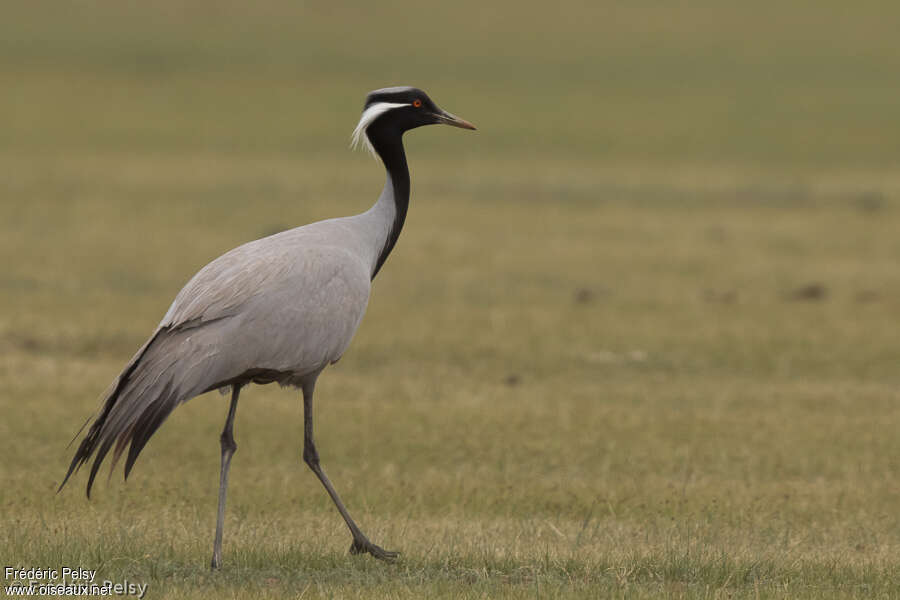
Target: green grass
<point x="637" y="338"/>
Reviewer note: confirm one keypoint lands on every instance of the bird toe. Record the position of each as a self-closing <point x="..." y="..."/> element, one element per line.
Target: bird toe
<point x="365" y="546"/>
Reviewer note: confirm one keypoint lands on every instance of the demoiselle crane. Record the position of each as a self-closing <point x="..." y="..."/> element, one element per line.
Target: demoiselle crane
<point x="278" y="309"/>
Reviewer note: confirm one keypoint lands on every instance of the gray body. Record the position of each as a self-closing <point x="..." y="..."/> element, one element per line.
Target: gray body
<point x="285" y="306"/>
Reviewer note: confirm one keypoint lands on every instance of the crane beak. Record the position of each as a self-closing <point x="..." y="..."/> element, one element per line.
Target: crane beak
<point x="446" y="118"/>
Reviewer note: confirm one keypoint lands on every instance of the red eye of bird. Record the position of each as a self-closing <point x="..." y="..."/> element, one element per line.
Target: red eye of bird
<point x="417" y="103"/>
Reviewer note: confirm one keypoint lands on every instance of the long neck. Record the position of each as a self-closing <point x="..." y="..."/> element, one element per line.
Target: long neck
<point x="389" y="146"/>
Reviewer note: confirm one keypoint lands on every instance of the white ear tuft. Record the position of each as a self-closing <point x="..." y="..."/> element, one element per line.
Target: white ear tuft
<point x="360" y="137"/>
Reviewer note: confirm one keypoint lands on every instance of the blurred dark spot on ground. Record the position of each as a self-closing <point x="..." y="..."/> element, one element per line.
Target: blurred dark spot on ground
<point x="20" y="341"/>
<point x="720" y="296"/>
<point x="865" y="296"/>
<point x="870" y="201"/>
<point x="512" y="380"/>
<point x="585" y="295"/>
<point x="811" y="292"/>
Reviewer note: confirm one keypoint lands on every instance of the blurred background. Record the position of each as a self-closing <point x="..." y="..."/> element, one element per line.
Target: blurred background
<point x="637" y="335"/>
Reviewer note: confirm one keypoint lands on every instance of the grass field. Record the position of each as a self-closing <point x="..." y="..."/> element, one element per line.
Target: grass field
<point x="638" y="338"/>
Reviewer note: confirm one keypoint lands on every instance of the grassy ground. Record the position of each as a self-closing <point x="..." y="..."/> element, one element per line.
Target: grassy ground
<point x="637" y="338"/>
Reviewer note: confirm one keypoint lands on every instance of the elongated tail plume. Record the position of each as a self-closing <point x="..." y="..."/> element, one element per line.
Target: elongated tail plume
<point x="139" y="401"/>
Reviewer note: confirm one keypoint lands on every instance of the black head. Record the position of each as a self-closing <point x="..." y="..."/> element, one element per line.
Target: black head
<point x="394" y="110"/>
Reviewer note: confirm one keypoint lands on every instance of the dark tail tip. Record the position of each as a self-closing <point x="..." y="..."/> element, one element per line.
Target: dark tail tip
<point x="84" y="450"/>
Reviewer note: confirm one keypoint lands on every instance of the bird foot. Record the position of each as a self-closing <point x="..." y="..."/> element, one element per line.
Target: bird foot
<point x="363" y="546"/>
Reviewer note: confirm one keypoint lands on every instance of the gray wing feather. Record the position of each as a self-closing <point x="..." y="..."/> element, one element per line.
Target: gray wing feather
<point x="289" y="304"/>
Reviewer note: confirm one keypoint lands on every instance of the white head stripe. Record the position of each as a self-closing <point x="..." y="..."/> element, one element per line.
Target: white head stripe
<point x="368" y="117"/>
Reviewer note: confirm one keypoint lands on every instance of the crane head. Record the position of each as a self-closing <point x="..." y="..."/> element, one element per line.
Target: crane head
<point x="395" y="110"/>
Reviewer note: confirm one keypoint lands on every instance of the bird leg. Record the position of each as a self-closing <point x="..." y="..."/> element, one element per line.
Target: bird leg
<point x="361" y="543"/>
<point x="228" y="448"/>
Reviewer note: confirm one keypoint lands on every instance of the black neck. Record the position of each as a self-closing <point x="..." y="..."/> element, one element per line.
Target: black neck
<point x="388" y="143"/>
